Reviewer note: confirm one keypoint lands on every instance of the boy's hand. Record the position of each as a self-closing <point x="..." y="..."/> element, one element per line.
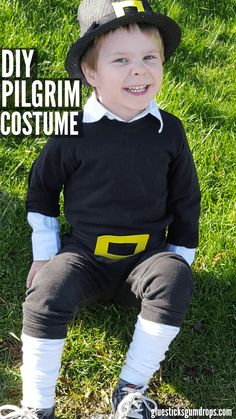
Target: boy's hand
<point x="35" y="267"/>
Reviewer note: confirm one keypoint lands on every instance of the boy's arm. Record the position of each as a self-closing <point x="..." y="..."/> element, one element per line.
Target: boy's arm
<point x="45" y="242"/>
<point x="49" y="173"/>
<point x="45" y="236"/>
<point x="56" y="162"/>
<point x="183" y="199"/>
<point x="187" y="254"/>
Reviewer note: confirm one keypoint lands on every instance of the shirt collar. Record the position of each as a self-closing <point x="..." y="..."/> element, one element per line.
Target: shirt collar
<point x="94" y="111"/>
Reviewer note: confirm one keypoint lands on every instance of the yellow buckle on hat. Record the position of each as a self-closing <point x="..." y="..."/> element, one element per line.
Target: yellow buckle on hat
<point x="120" y="5"/>
<point x="102" y="244"/>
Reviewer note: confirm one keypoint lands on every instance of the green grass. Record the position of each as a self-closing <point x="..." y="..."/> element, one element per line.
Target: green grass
<point x="199" y="83"/>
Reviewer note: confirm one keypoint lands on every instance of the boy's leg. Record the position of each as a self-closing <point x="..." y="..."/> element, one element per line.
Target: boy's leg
<point x="164" y="284"/>
<point x="40" y="370"/>
<point x="64" y="284"/>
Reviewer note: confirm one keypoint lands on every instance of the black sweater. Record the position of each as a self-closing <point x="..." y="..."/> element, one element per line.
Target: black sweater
<point x="120" y="179"/>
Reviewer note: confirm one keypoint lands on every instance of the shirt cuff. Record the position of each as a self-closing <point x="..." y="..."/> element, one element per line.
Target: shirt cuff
<point x="45" y="236"/>
<point x="186" y="253"/>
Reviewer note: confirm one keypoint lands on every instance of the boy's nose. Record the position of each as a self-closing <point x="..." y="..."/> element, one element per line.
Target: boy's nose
<point x="138" y="69"/>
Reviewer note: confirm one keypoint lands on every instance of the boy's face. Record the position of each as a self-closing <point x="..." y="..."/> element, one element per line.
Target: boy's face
<point x="128" y="73"/>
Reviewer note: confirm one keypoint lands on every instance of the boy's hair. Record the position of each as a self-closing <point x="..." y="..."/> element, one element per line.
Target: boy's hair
<point x="91" y="54"/>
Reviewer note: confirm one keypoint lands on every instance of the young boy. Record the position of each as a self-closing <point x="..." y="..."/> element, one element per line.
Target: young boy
<point x="131" y="198"/>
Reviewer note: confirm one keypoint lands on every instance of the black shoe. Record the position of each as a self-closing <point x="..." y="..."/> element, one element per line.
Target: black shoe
<point x="15" y="412"/>
<point x="129" y="402"/>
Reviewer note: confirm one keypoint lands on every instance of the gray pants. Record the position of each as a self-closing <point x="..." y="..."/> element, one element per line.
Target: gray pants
<point x="160" y="282"/>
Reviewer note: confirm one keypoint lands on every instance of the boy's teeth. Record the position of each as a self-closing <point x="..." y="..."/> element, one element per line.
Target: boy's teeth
<point x="137" y="89"/>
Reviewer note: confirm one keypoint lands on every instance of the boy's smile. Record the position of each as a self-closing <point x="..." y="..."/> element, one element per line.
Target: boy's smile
<point x="128" y="73"/>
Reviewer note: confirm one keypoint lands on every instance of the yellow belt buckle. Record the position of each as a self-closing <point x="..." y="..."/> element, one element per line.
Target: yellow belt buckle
<point x="102" y="244"/>
<point x="119" y="6"/>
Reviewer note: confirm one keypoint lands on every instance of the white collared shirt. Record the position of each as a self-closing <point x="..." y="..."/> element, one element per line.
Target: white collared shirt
<point x="94" y="111"/>
<point x="45" y="236"/>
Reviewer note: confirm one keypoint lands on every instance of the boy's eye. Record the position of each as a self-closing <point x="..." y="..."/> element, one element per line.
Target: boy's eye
<point x="120" y="60"/>
<point x="149" y="57"/>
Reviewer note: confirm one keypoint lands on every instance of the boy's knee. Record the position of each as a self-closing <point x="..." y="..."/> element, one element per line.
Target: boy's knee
<point x="169" y="275"/>
<point x="165" y="286"/>
<point x="50" y="302"/>
<point x="178" y="274"/>
<point x="51" y="286"/>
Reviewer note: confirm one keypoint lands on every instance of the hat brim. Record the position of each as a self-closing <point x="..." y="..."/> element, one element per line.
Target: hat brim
<point x="169" y="30"/>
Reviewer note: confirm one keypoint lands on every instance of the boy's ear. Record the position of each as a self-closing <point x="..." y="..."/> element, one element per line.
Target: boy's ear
<point x="89" y="74"/>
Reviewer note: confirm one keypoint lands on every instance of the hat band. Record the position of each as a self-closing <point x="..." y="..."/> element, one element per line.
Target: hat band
<point x="102" y="21"/>
<point x="121" y="8"/>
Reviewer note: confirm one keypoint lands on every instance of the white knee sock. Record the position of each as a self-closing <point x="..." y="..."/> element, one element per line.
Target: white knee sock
<point x="40" y="370"/>
<point x="147" y="349"/>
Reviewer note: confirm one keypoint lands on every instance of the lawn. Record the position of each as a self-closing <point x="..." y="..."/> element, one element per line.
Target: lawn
<point x="199" y="85"/>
